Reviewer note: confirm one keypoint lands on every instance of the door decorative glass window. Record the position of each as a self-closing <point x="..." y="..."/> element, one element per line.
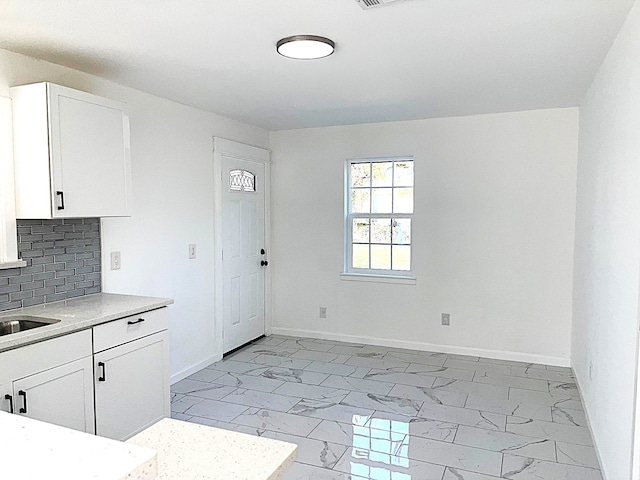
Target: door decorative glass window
<point x="242" y="181"/>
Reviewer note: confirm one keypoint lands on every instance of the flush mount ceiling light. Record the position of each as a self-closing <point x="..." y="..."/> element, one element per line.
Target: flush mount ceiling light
<point x="305" y="47"/>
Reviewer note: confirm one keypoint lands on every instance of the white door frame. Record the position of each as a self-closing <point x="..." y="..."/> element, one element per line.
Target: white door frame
<point x="260" y="155"/>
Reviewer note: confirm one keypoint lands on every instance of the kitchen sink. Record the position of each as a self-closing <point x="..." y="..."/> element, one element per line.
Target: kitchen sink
<point x="20" y="323"/>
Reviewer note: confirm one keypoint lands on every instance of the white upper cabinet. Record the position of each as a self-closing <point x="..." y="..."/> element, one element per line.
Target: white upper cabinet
<point x="71" y="153"/>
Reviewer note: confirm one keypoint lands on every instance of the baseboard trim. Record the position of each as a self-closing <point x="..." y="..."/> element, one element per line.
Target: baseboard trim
<point x="181" y="375"/>
<point x="586" y="414"/>
<point x="431" y="347"/>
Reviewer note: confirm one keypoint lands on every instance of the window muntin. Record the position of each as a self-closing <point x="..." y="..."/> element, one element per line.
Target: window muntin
<point x="379" y="207"/>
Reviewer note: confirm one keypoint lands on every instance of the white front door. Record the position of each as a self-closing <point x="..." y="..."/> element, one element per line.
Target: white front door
<point x="244" y="258"/>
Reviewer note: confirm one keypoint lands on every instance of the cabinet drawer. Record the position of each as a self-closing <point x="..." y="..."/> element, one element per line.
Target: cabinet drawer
<point x="24" y="361"/>
<point x="130" y="328"/>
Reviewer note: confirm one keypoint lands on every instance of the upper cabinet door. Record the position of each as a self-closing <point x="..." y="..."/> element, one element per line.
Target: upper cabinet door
<point x="71" y="152"/>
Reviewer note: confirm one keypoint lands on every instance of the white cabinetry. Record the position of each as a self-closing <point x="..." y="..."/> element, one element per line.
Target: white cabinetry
<point x="71" y="153"/>
<point x="62" y="395"/>
<point x="131" y="374"/>
<point x="6" y="397"/>
<point x="51" y="381"/>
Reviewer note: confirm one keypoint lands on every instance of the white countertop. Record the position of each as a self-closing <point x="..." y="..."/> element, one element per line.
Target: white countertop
<point x="32" y="449"/>
<point x="191" y="451"/>
<point x="77" y="314"/>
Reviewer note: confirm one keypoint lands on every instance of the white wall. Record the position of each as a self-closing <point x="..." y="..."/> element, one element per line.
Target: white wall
<point x="172" y="163"/>
<point x="607" y="250"/>
<point x="493" y="235"/>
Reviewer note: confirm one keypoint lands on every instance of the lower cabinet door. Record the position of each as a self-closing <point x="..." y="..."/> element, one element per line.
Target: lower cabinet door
<point x="6" y="398"/>
<point x="132" y="386"/>
<point x="62" y="395"/>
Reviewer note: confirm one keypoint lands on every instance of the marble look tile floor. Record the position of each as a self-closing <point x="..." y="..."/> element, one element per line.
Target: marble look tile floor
<point x="363" y="412"/>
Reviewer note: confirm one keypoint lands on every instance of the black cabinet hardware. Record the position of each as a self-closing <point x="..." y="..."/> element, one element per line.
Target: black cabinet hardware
<point x="61" y="206"/>
<point x="264" y="263"/>
<point x="23" y="394"/>
<point x="262" y="252"/>
<point x="103" y="377"/>
<point x="134" y="322"/>
<point x="10" y="398"/>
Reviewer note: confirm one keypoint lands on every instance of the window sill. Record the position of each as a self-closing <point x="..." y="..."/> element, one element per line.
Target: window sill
<point x="363" y="277"/>
<point x="16" y="264"/>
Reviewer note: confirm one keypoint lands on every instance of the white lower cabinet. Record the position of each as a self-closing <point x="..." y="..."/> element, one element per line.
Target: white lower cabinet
<point x="62" y="395"/>
<point x="131" y="369"/>
<point x="111" y="380"/>
<point x="51" y="381"/>
<point x="132" y="391"/>
<point x="6" y="398"/>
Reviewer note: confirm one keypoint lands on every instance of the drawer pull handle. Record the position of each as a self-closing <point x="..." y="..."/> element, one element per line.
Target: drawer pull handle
<point x="61" y="194"/>
<point x="10" y="398"/>
<point x="103" y="377"/>
<point x="23" y="394"/>
<point x="134" y="322"/>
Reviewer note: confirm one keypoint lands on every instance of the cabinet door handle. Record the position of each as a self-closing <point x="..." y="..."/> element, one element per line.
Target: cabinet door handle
<point x="61" y="206"/>
<point x="23" y="394"/>
<point x="10" y="398"/>
<point x="264" y="263"/>
<point x="134" y="322"/>
<point x="103" y="377"/>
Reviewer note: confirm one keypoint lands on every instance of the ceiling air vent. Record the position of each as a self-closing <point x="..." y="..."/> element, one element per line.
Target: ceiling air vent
<point x="367" y="4"/>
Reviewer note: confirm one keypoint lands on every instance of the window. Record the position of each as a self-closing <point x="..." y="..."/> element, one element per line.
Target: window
<point x="379" y="214"/>
<point x="242" y="181"/>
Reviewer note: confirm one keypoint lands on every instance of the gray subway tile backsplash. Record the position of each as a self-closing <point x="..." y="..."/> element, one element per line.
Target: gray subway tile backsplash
<point x="63" y="261"/>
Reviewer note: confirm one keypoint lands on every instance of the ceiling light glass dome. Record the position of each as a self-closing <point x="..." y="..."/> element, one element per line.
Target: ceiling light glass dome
<point x="305" y="47"/>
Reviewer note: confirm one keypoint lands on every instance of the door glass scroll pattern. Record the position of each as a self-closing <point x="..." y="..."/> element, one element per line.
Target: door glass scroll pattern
<point x="242" y="181"/>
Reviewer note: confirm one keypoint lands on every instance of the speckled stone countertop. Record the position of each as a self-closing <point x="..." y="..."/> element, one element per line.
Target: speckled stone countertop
<point x="189" y="451"/>
<point x="32" y="449"/>
<point x="77" y="314"/>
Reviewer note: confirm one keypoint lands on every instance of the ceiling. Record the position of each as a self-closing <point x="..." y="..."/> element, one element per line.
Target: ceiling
<point x="406" y="60"/>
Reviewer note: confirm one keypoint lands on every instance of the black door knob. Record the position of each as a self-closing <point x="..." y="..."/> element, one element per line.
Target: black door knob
<point x="264" y="263"/>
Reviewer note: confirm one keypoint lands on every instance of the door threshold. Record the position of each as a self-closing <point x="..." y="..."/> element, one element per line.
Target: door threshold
<point x="231" y="352"/>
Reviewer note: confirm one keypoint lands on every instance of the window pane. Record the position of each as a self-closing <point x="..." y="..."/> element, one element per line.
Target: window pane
<point x="382" y="174"/>
<point x="403" y="200"/>
<point x="402" y="231"/>
<point x="360" y="200"/>
<point x="403" y="174"/>
<point x="401" y="257"/>
<point x="360" y="257"/>
<point x="381" y="200"/>
<point x="360" y="174"/>
<point x="381" y="257"/>
<point x="380" y="230"/>
<point x="360" y="230"/>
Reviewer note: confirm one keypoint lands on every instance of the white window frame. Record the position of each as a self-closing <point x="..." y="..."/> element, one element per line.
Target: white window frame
<point x="8" y="232"/>
<point x="370" y="274"/>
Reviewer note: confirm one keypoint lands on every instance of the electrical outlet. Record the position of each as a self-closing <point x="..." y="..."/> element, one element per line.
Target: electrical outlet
<point x="323" y="312"/>
<point x="192" y="251"/>
<point x="115" y="261"/>
<point x="446" y="319"/>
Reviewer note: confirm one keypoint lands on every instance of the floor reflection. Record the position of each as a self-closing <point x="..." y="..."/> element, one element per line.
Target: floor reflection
<point x="380" y="449"/>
